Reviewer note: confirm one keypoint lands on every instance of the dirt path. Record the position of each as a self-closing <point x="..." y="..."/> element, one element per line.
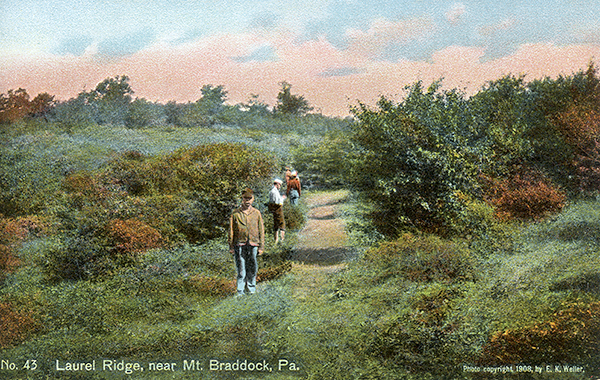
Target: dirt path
<point x="322" y="244"/>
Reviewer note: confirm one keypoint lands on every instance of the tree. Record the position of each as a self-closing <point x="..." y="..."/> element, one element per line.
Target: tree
<point x="255" y="106"/>
<point x="14" y="105"/>
<point x="115" y="89"/>
<point x="413" y="163"/>
<point x="143" y="113"/>
<point x="172" y="111"/>
<point x="42" y="105"/>
<point x="291" y="104"/>
<point x="212" y="100"/>
<point x="110" y="100"/>
<point x="74" y="112"/>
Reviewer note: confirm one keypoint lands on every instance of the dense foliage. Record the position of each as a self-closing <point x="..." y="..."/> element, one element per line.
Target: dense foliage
<point x="419" y="160"/>
<point x="413" y="158"/>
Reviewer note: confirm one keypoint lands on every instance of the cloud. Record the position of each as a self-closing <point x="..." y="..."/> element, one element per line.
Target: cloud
<point x="75" y="45"/>
<point x="503" y="25"/>
<point x="264" y="21"/>
<point x="383" y="33"/>
<point x="260" y="54"/>
<point x="340" y="72"/>
<point x="125" y="45"/>
<point x="455" y="13"/>
<point x="189" y="36"/>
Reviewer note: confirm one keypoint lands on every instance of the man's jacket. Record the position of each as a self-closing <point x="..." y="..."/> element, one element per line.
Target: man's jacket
<point x="246" y="229"/>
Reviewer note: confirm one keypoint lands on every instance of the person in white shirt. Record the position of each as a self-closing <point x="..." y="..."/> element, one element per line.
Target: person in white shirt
<point x="276" y="208"/>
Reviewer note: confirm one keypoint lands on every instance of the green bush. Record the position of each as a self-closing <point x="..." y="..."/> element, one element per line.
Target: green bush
<point x="392" y="313"/>
<point x="142" y="113"/>
<point x="418" y="153"/>
<point x="411" y="159"/>
<point x="187" y="194"/>
<point x="295" y="216"/>
<point x="325" y="164"/>
<point x="422" y="259"/>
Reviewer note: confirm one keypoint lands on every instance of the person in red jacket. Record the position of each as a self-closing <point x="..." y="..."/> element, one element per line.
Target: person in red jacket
<point x="288" y="175"/>
<point x="293" y="189"/>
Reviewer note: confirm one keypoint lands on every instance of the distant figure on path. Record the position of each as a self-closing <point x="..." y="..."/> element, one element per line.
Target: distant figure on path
<point x="293" y="188"/>
<point x="246" y="241"/>
<point x="276" y="208"/>
<point x="288" y="175"/>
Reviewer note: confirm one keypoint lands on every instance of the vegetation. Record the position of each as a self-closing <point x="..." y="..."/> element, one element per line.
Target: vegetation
<point x="475" y="222"/>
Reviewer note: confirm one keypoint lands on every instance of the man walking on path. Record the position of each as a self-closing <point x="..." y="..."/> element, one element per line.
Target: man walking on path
<point x="246" y="241"/>
<point x="293" y="188"/>
<point x="276" y="208"/>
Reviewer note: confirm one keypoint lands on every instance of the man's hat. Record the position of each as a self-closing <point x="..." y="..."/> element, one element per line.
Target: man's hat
<point x="277" y="180"/>
<point x="247" y="193"/>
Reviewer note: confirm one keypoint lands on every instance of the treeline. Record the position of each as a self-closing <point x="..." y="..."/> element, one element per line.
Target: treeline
<point x="112" y="102"/>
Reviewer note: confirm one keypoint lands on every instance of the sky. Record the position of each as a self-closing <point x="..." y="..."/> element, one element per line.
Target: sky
<point x="335" y="53"/>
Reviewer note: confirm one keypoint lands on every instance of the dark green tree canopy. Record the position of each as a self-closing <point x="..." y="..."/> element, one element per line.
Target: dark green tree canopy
<point x="115" y="89"/>
<point x="291" y="104"/>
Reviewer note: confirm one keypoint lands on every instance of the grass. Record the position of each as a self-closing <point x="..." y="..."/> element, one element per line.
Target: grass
<point x="411" y="313"/>
<point x="354" y="322"/>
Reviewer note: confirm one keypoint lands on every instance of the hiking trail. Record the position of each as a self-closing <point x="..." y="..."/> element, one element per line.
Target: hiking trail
<point x="322" y="247"/>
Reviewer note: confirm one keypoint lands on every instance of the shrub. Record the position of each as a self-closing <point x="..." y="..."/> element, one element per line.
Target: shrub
<point x="412" y="157"/>
<point x="295" y="216"/>
<point x="524" y="195"/>
<point x="77" y="257"/>
<point x="394" y="314"/>
<point x="418" y="338"/>
<point x="187" y="194"/>
<point x="570" y="335"/>
<point x="16" y="325"/>
<point x="325" y="164"/>
<point x="142" y="113"/>
<point x="13" y="231"/>
<point x="132" y="171"/>
<point x="422" y="259"/>
<point x="30" y="175"/>
<point x="201" y="219"/>
<point x="80" y="184"/>
<point x="131" y="237"/>
<point x="580" y="127"/>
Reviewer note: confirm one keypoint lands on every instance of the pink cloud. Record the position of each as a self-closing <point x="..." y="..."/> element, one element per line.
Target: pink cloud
<point x="165" y="73"/>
